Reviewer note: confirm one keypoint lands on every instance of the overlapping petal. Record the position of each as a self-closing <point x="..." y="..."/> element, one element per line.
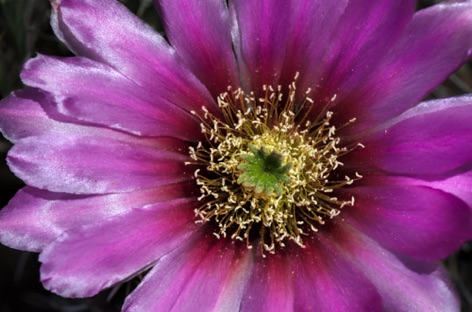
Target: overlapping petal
<point x="23" y="116"/>
<point x="84" y="164"/>
<point x="203" y="24"/>
<point x="458" y="185"/>
<point x="426" y="54"/>
<point x="403" y="283"/>
<point x="85" y="260"/>
<point x="333" y="279"/>
<point x="35" y="218"/>
<point x="409" y="217"/>
<point x="205" y="274"/>
<point x="309" y="39"/>
<point x="316" y="278"/>
<point x="260" y="33"/>
<point x="131" y="47"/>
<point x="277" y="39"/>
<point x="92" y="92"/>
<point x="430" y="139"/>
<point x="271" y="286"/>
<point x="364" y="33"/>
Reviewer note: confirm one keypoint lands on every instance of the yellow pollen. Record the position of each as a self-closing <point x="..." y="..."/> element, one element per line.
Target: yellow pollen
<point x="267" y="173"/>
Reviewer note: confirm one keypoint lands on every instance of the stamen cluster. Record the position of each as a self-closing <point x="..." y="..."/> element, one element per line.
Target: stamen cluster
<point x="267" y="171"/>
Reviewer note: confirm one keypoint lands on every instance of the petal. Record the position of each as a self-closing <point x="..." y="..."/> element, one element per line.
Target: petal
<point x="459" y="185"/>
<point x="94" y="165"/>
<point x="200" y="33"/>
<point x="326" y="42"/>
<point x="204" y="274"/>
<point x="27" y="113"/>
<point x="363" y="35"/>
<point x="260" y="36"/>
<point x="22" y="116"/>
<point x="404" y="284"/>
<point x="86" y="260"/>
<point x="410" y="218"/>
<point x="312" y="31"/>
<point x="128" y="45"/>
<point x="271" y="285"/>
<point x="95" y="93"/>
<point x="429" y="139"/>
<point x="326" y="281"/>
<point x="35" y="218"/>
<point x="315" y="278"/>
<point x="426" y="55"/>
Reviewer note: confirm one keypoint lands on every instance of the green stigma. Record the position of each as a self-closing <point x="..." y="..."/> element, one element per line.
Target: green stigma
<point x="263" y="171"/>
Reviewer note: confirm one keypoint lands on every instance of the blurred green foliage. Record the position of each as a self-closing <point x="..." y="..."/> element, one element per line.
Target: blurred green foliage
<point x="21" y="23"/>
<point x="25" y="31"/>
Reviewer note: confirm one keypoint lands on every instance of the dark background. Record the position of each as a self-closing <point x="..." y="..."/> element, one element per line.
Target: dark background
<point x="24" y="31"/>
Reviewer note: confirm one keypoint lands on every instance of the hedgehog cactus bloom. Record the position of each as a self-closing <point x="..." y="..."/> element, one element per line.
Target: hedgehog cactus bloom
<point x="272" y="157"/>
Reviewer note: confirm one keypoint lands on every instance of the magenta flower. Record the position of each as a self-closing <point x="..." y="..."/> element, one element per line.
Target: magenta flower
<point x="272" y="157"/>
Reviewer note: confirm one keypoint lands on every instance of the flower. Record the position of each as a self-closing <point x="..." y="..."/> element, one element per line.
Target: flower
<point x="272" y="157"/>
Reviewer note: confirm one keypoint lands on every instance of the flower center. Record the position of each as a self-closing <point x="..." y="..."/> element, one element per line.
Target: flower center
<point x="263" y="171"/>
<point x="267" y="174"/>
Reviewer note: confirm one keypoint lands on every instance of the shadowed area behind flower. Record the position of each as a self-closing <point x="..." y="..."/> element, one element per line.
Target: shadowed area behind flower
<point x="25" y="30"/>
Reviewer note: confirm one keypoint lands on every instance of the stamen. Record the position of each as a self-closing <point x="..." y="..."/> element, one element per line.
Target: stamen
<point x="267" y="171"/>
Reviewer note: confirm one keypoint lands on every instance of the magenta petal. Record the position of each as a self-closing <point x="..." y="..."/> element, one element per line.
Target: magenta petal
<point x="363" y="35"/>
<point x="203" y="275"/>
<point x="411" y="219"/>
<point x="200" y="33"/>
<point x="260" y="41"/>
<point x="128" y="45"/>
<point x="429" y="139"/>
<point x="271" y="287"/>
<point x="404" y="285"/>
<point x="95" y="165"/>
<point x="22" y="116"/>
<point x="34" y="218"/>
<point x="277" y="39"/>
<point x="324" y="280"/>
<point x="95" y="93"/>
<point x="426" y="55"/>
<point x="274" y="40"/>
<point x="308" y="39"/>
<point x="316" y="278"/>
<point x="459" y="185"/>
<point x="308" y="282"/>
<point x="27" y="113"/>
<point x="85" y="260"/>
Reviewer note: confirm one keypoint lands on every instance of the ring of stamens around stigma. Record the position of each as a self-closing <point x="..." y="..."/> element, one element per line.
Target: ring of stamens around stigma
<point x="265" y="170"/>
